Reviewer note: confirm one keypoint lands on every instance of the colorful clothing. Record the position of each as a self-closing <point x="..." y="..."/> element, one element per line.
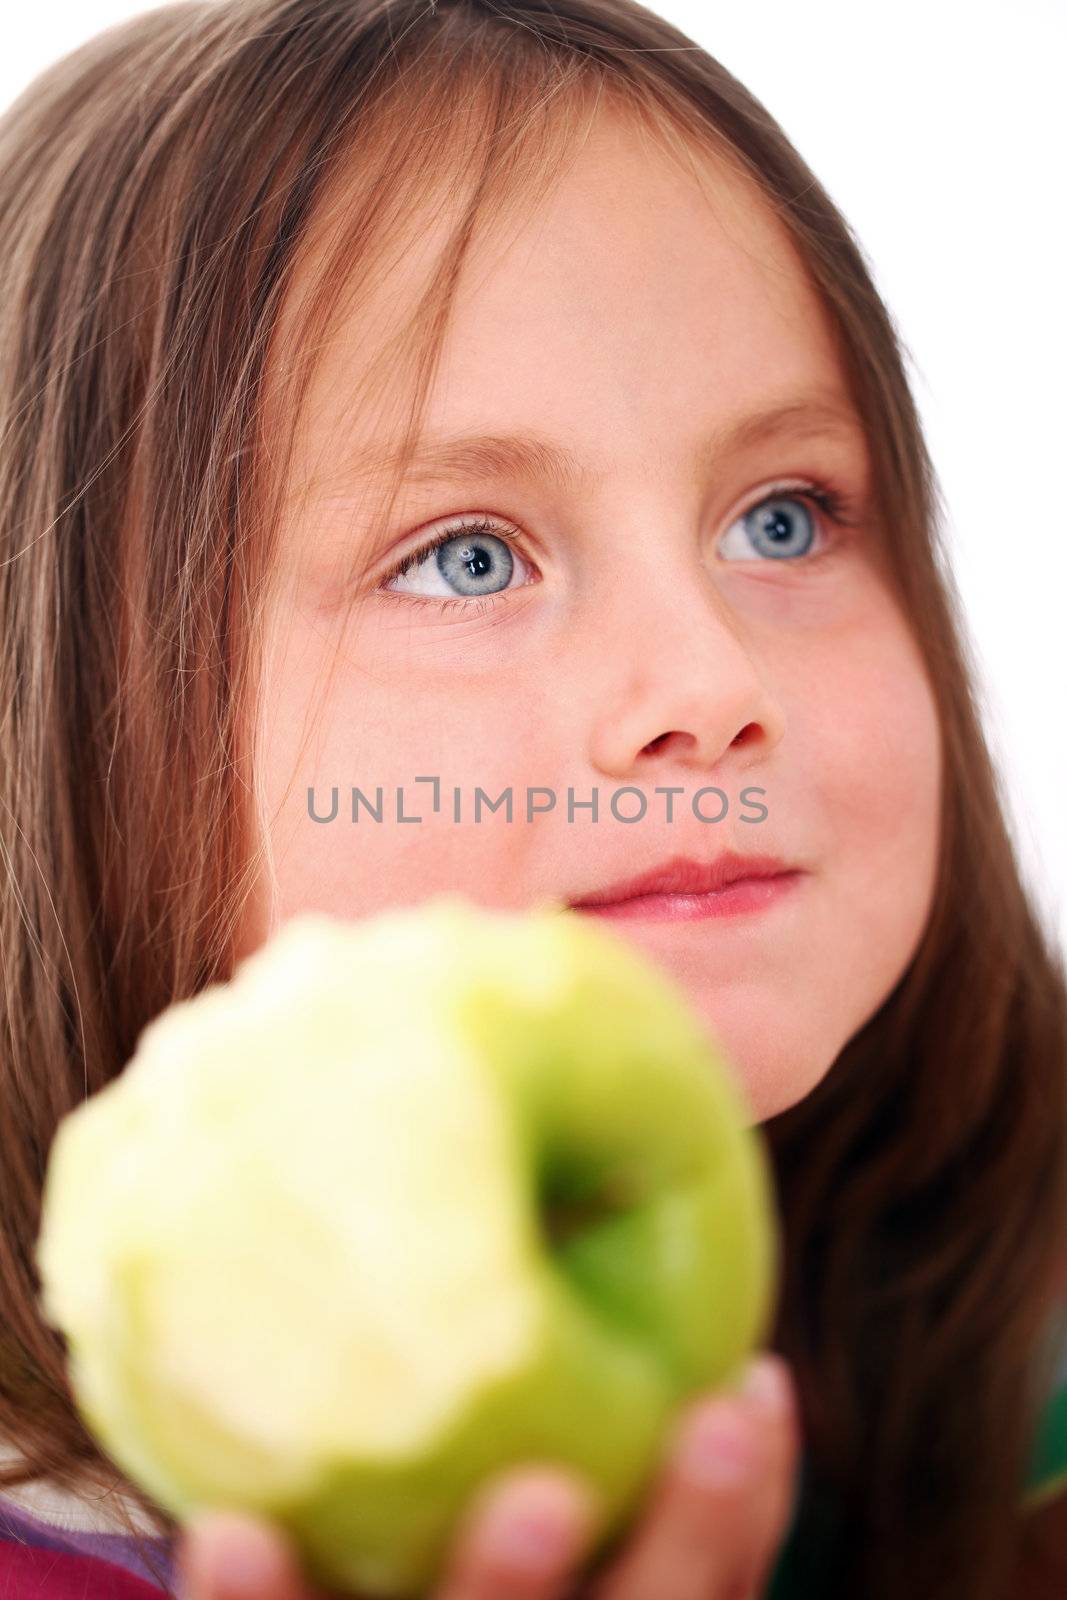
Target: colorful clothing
<point x="1047" y="1474"/>
<point x="44" y="1557"/>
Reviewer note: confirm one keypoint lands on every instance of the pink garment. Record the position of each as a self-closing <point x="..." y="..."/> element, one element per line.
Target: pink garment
<point x="41" y="1560"/>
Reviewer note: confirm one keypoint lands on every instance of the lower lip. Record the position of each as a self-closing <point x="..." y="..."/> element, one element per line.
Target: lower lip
<point x="746" y="895"/>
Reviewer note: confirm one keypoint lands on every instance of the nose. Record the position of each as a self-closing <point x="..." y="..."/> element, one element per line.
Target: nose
<point x="690" y="692"/>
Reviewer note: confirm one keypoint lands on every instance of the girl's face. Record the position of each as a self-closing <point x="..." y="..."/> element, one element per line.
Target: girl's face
<point x="673" y="612"/>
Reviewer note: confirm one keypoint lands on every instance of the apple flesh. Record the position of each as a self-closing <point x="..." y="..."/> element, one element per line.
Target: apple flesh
<point x="409" y="1201"/>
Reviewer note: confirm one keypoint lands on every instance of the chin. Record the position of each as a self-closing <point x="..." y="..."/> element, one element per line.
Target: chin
<point x="770" y="1068"/>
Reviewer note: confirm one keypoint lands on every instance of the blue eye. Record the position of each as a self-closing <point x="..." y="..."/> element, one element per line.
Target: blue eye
<point x="476" y="559"/>
<point x="780" y="527"/>
<point x="470" y="560"/>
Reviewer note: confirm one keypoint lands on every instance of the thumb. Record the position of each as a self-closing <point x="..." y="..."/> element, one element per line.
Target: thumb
<point x="229" y="1555"/>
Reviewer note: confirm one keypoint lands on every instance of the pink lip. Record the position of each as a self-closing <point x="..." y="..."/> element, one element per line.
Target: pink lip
<point x="684" y="890"/>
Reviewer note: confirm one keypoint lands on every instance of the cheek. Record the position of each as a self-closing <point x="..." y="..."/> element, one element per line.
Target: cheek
<point x="863" y="736"/>
<point x="878" y="745"/>
<point x="875" y="766"/>
<point x="335" y="721"/>
<point x="861" y="796"/>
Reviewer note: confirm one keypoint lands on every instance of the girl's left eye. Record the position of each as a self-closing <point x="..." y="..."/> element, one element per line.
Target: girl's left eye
<point x="478" y="557"/>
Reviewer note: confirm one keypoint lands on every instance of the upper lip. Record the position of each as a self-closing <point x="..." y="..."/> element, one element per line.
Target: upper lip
<point x="685" y="875"/>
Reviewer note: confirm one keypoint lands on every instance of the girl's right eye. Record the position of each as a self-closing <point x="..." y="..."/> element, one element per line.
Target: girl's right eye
<point x="475" y="556"/>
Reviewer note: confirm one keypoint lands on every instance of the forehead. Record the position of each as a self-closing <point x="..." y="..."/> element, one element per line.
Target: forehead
<point x="650" y="292"/>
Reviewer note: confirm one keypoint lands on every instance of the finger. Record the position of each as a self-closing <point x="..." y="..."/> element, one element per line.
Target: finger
<point x="230" y="1556"/>
<point x="712" y="1521"/>
<point x="783" y="1475"/>
<point x="522" y="1539"/>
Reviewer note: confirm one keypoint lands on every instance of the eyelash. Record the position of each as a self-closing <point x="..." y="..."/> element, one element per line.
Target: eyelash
<point x="834" y="505"/>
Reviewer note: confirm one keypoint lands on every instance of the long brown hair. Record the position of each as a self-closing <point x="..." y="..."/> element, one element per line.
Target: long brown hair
<point x="156" y="192"/>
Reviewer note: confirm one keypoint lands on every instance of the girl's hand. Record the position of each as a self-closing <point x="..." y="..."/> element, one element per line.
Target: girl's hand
<point x="712" y="1530"/>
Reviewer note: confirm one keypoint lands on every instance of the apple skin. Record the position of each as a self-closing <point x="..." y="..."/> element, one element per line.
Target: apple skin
<point x="408" y="1202"/>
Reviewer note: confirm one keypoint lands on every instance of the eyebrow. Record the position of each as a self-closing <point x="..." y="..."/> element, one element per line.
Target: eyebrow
<point x="442" y="458"/>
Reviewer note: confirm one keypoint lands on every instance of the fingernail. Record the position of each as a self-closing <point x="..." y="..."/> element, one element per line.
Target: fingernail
<point x="536" y="1537"/>
<point x="766" y="1384"/>
<point x="719" y="1449"/>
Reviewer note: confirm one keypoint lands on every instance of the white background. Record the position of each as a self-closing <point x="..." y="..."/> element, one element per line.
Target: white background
<point x="937" y="127"/>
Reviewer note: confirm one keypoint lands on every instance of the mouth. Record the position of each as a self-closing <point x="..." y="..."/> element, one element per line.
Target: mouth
<point x="685" y="891"/>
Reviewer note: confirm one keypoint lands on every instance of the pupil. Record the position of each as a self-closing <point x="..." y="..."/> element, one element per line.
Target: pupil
<point x="780" y="527"/>
<point x="475" y="559"/>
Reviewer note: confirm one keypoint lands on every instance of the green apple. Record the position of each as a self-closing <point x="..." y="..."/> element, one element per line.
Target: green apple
<point x="409" y="1201"/>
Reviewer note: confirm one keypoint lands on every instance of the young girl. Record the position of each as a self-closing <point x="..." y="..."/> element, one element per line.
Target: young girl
<point x="487" y="393"/>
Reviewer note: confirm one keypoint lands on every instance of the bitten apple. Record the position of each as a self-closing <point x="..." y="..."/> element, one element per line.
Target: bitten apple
<point x="408" y="1201"/>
